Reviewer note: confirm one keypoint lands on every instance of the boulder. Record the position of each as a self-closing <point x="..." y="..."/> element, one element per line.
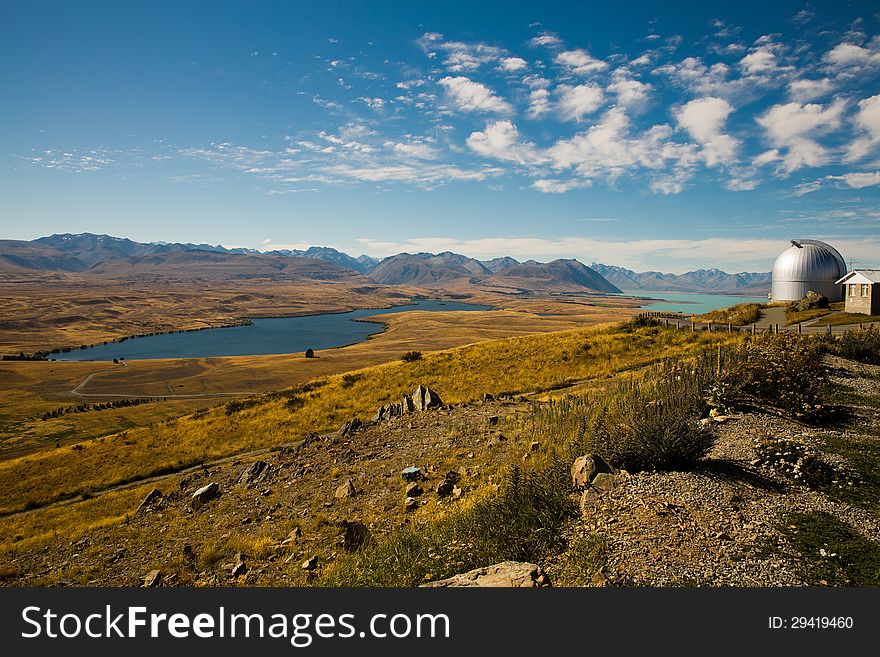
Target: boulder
<point x="412" y="473"/>
<point x="413" y="490"/>
<point x="240" y="568"/>
<point x="346" y="490"/>
<point x="153" y="579"/>
<point x="445" y="487"/>
<point x="811" y="301"/>
<point x="354" y="535"/>
<point x="349" y="427"/>
<point x="424" y="399"/>
<point x="310" y="353"/>
<point x="410" y="504"/>
<point x="310" y="564"/>
<point x="151" y="497"/>
<point x="407" y="405"/>
<point x="507" y="574"/>
<point x="387" y="412"/>
<point x="205" y="494"/>
<point x="586" y="467"/>
<point x="255" y="471"/>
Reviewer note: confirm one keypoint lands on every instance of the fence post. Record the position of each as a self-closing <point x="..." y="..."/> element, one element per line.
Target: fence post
<point x="829" y="329"/>
<point x="800" y="329"/>
<point x="754" y="329"/>
<point x="693" y="326"/>
<point x="729" y="327"/>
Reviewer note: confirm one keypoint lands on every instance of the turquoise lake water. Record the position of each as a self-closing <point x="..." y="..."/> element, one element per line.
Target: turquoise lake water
<point x="691" y="304"/>
<point x="277" y="335"/>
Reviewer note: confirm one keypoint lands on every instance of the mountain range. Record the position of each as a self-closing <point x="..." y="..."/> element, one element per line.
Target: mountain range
<point x="115" y="257"/>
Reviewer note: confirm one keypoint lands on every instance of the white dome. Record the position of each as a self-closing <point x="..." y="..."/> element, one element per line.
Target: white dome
<point x="807" y="265"/>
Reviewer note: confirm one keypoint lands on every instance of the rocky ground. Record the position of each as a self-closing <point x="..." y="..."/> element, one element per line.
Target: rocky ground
<point x="278" y="520"/>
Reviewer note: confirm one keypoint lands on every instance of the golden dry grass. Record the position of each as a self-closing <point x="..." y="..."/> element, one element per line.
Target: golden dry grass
<point x="525" y="363"/>
<point x="30" y="389"/>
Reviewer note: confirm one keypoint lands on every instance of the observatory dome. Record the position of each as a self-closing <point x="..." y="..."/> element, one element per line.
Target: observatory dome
<point x="807" y="265"/>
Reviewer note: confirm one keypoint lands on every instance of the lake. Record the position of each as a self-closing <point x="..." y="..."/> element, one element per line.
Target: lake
<point x="276" y="335"/>
<point x="691" y="304"/>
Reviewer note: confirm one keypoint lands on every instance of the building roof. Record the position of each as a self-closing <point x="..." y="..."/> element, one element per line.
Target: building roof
<point x="807" y="261"/>
<point x="861" y="276"/>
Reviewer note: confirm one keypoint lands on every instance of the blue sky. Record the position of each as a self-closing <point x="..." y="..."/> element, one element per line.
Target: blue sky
<point x="653" y="135"/>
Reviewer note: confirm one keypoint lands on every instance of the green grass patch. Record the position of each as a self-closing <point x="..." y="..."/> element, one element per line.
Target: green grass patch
<point x="585" y="556"/>
<point x="831" y="551"/>
<point x="840" y="319"/>
<point x="741" y="314"/>
<point x="521" y="522"/>
<point x="794" y="317"/>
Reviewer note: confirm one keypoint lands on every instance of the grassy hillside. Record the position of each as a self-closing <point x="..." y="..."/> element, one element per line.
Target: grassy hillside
<point x="528" y="363"/>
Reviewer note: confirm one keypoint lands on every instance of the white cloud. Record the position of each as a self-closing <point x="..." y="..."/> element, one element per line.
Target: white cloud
<point x="610" y="149"/>
<point x="795" y="127"/>
<point x="545" y="39"/>
<point x="501" y="140"/>
<point x="858" y="180"/>
<point x="459" y="56"/>
<point x="704" y="119"/>
<point x="804" y="90"/>
<point x="551" y="186"/>
<point x="510" y="64"/>
<point x="630" y="93"/>
<point x="868" y="120"/>
<point x="470" y="96"/>
<point x="577" y="101"/>
<point x="539" y="103"/>
<point x="854" y="56"/>
<point x="580" y="62"/>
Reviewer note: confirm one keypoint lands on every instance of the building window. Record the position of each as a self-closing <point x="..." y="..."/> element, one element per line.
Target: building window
<point x="864" y="289"/>
<point x="852" y="289"/>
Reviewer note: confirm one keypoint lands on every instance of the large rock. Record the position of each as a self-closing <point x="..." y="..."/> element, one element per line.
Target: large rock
<point x="412" y="473"/>
<point x="346" y="490"/>
<point x="151" y="497"/>
<point x="424" y="399"/>
<point x="349" y="427"/>
<point x="586" y="467"/>
<point x="387" y="412"/>
<point x="811" y="301"/>
<point x="507" y="574"/>
<point x="255" y="472"/>
<point x="205" y="494"/>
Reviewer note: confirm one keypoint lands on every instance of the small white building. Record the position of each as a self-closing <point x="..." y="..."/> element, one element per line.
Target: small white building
<point x="861" y="289"/>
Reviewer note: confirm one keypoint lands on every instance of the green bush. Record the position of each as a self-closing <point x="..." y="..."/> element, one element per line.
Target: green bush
<point x="411" y="356"/>
<point x="862" y="345"/>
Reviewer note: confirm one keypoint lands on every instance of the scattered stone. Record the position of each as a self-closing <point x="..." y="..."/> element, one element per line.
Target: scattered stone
<point x="588" y="499"/>
<point x="454" y="476"/>
<point x="254" y="472"/>
<point x="412" y="473"/>
<point x="311" y="563"/>
<point x="508" y="574"/>
<point x="586" y="467"/>
<point x="151" y="496"/>
<point x="406" y="405"/>
<point x="153" y="579"/>
<point x="240" y="568"/>
<point x="497" y="439"/>
<point x="413" y="489"/>
<point x="410" y="504"/>
<point x="346" y="490"/>
<point x="349" y="427"/>
<point x="488" y="398"/>
<point x="425" y="399"/>
<point x="456" y="492"/>
<point x="354" y="535"/>
<point x="534" y="446"/>
<point x="205" y="494"/>
<point x="444" y="488"/>
<point x="492" y="420"/>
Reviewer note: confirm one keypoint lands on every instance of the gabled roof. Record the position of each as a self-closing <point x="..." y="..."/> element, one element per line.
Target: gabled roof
<point x="861" y="276"/>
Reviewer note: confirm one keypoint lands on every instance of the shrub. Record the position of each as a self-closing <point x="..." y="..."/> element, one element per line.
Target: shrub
<point x="637" y="322"/>
<point x="782" y="372"/>
<point x="411" y="356"/>
<point x="348" y="380"/>
<point x="653" y="423"/>
<point x="862" y="345"/>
